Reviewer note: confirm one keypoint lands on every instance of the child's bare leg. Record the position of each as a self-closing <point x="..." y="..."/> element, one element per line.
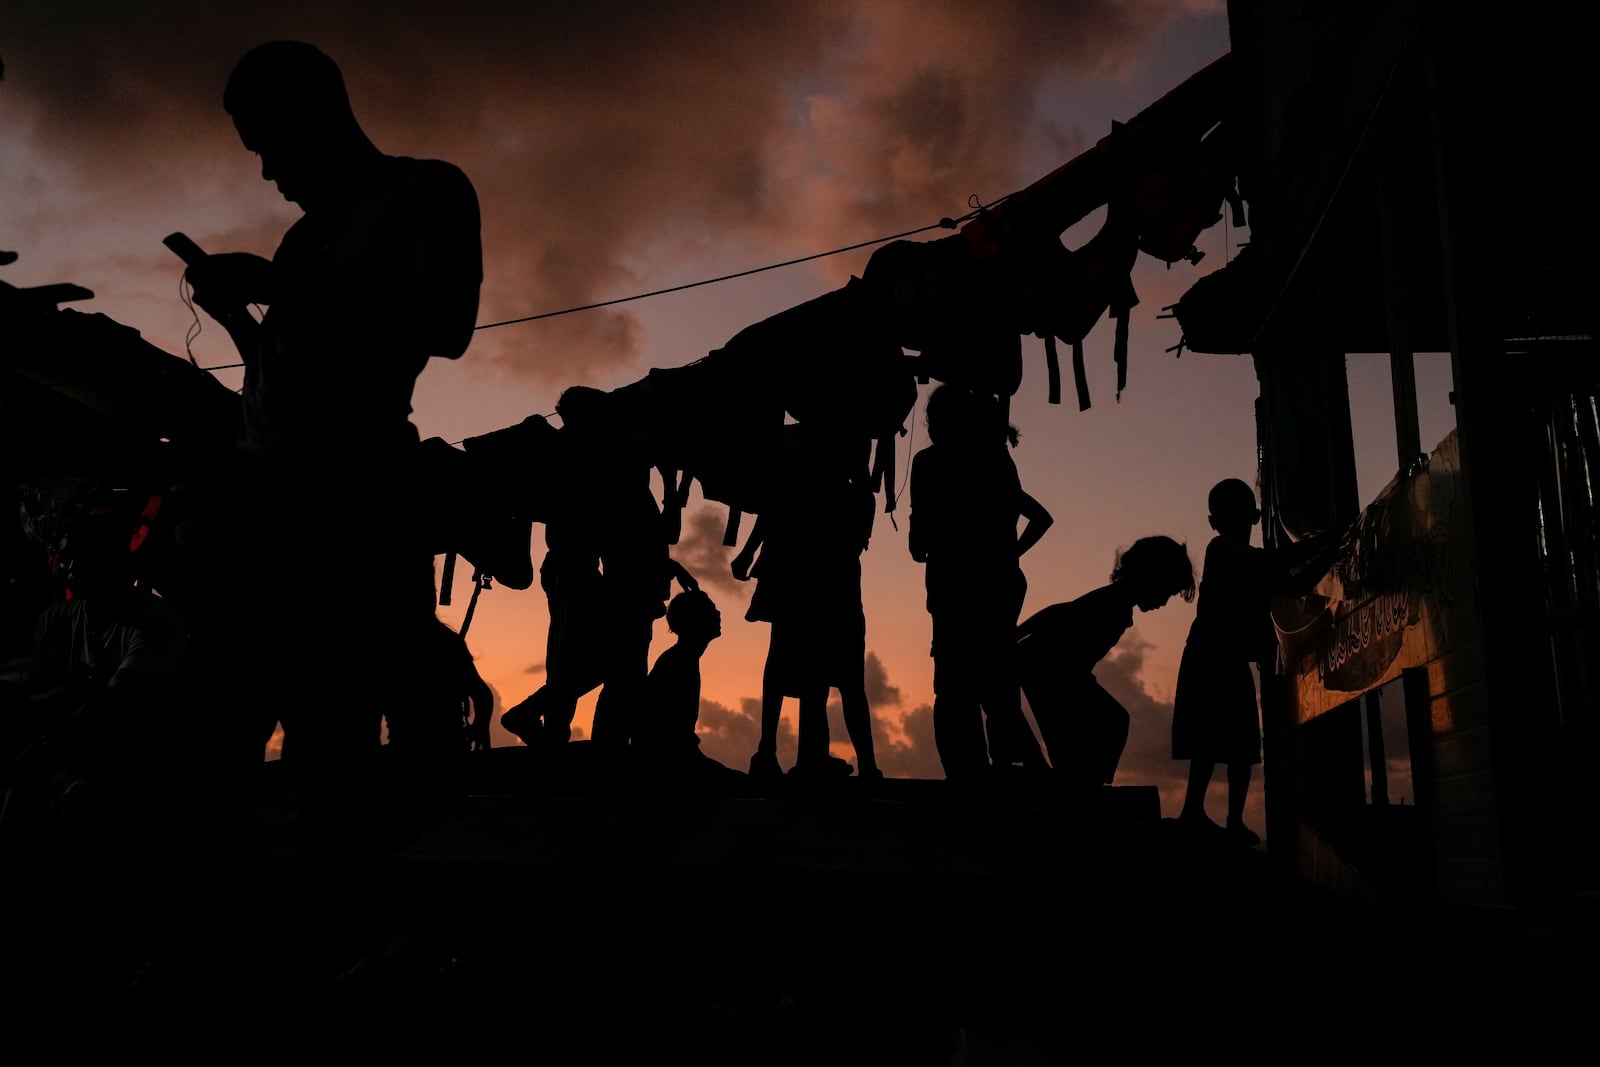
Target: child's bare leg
<point x="1238" y="789"/>
<point x="813" y="725"/>
<point x="771" y="709"/>
<point x="1194" y="797"/>
<point x="1011" y="739"/>
<point x="858" y="723"/>
<point x="764" y="764"/>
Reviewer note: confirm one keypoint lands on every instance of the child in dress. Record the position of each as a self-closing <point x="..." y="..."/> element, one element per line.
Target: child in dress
<point x="809" y="588"/>
<point x="1214" y="714"/>
<point x="966" y="502"/>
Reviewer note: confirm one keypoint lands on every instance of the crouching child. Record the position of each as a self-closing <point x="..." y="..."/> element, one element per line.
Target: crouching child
<point x="1083" y="727"/>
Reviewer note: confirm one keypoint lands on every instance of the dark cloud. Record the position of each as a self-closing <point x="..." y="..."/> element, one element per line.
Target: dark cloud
<point x="593" y="132"/>
<point x="879" y="692"/>
<point x="730" y="737"/>
<point x="908" y="751"/>
<point x="903" y="750"/>
<point x="701" y="550"/>
<point x="913" y="754"/>
<point x="534" y="668"/>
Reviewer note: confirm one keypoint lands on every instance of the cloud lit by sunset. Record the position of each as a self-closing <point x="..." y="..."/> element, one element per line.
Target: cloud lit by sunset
<point x="625" y="148"/>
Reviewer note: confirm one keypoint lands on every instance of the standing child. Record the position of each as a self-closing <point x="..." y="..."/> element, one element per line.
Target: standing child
<point x="809" y="587"/>
<point x="1214" y="713"/>
<point x="607" y="575"/>
<point x="1083" y="727"/>
<point x="966" y="501"/>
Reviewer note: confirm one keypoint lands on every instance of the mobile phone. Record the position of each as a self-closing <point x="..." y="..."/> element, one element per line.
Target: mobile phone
<point x="184" y="248"/>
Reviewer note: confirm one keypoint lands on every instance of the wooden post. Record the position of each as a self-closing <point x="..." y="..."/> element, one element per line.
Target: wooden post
<point x="1497" y="456"/>
<point x="1397" y="307"/>
<point x="1418" y="702"/>
<point x="1377" y="759"/>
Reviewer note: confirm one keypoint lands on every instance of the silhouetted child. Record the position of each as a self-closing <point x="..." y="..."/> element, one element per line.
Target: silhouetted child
<point x="966" y="501"/>
<point x="1083" y="727"/>
<point x="1214" y="714"/>
<point x="607" y="574"/>
<point x="809" y="588"/>
<point x="665" y="744"/>
<point x="574" y="593"/>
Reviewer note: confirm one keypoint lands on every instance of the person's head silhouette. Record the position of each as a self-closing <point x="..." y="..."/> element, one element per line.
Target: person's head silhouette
<point x="957" y="415"/>
<point x="1233" y="509"/>
<point x="289" y="104"/>
<point x="694" y="617"/>
<point x="1154" y="570"/>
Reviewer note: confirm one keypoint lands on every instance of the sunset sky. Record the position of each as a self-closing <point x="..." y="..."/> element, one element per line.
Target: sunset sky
<point x="622" y="148"/>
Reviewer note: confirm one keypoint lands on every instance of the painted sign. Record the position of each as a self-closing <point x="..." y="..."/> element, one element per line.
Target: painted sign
<point x="1400" y="592"/>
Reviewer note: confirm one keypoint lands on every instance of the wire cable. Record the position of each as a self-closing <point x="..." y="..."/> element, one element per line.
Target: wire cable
<point x="185" y="292"/>
<point x="944" y="223"/>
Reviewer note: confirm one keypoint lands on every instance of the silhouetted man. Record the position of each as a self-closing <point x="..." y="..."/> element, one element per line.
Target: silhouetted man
<point x="380" y="274"/>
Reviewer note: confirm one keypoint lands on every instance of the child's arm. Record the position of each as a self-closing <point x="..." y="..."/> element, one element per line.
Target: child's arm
<point x="1038" y="521"/>
<point x="1043" y="624"/>
<point x="1295" y="570"/>
<point x="746" y="558"/>
<point x="917" y="531"/>
<point x="1028" y="626"/>
<point x="672" y="499"/>
<point x="482" y="699"/>
<point x="677" y="572"/>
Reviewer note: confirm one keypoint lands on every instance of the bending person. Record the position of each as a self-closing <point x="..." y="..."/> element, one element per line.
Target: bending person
<point x="1083" y="727"/>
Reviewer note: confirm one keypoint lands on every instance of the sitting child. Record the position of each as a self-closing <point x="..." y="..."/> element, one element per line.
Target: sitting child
<point x="1083" y="727"/>
<point x="665" y="744"/>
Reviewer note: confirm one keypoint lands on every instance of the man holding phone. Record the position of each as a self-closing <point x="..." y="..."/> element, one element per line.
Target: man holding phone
<point x="380" y="274"/>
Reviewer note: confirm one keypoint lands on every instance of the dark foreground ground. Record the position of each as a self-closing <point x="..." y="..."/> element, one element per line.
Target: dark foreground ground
<point x="564" y="920"/>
